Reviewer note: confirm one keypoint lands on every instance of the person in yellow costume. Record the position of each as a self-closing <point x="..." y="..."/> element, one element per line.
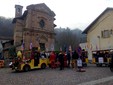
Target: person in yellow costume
<point x="19" y="55"/>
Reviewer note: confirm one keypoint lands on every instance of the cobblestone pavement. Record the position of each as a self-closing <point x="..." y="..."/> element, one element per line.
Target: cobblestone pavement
<point x="56" y="77"/>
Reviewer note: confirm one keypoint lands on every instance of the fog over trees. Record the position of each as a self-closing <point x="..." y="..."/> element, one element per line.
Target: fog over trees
<point x="6" y="27"/>
<point x="66" y="37"/>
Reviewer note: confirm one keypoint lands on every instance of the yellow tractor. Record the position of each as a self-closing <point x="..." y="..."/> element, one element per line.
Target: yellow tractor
<point x="28" y="60"/>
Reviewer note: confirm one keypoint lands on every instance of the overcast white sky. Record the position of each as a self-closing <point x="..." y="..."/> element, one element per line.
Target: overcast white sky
<point x="69" y="13"/>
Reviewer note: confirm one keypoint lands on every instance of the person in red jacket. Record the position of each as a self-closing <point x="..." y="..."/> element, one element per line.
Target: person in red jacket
<point x="65" y="60"/>
<point x="52" y="60"/>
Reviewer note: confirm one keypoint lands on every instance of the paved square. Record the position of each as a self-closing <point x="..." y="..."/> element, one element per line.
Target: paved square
<point x="48" y="76"/>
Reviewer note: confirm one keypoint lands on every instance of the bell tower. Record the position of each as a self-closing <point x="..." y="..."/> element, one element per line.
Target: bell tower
<point x="18" y="10"/>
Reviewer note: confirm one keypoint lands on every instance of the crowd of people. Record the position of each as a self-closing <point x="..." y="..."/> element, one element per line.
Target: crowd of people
<point x="59" y="59"/>
<point x="63" y="59"/>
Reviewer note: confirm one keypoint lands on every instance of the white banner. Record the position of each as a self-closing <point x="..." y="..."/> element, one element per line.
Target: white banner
<point x="101" y="60"/>
<point x="79" y="63"/>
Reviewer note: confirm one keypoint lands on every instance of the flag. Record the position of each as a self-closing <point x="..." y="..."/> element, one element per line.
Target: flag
<point x="52" y="47"/>
<point x="79" y="50"/>
<point x="31" y="45"/>
<point x="60" y="48"/>
<point x="96" y="47"/>
<point x="70" y="49"/>
<point x="23" y="45"/>
<point x="86" y="48"/>
<point x="91" y="47"/>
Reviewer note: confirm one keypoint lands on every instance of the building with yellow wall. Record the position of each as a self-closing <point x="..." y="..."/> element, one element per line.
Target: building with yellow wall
<point x="100" y="32"/>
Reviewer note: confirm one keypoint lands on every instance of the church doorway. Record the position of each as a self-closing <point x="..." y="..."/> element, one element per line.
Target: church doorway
<point x="42" y="46"/>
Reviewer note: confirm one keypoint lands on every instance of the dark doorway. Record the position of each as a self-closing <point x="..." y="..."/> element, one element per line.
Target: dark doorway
<point x="42" y="46"/>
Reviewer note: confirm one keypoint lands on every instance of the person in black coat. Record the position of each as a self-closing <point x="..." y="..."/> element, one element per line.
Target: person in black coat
<point x="75" y="56"/>
<point x="61" y="60"/>
<point x="36" y="58"/>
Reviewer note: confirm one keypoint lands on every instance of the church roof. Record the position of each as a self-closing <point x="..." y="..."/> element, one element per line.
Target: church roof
<point x="41" y="7"/>
<point x="37" y="7"/>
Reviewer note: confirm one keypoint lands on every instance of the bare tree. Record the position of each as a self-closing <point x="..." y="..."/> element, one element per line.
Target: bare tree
<point x="66" y="37"/>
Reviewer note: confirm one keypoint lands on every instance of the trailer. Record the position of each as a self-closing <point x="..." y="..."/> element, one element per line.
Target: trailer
<point x="101" y="57"/>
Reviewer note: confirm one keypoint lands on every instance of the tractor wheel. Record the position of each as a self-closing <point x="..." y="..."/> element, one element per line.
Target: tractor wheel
<point x="26" y="68"/>
<point x="43" y="66"/>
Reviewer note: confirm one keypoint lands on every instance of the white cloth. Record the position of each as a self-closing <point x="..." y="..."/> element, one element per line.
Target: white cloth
<point x="79" y="62"/>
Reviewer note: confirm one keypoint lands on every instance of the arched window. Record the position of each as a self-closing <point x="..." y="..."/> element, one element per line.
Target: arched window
<point x="42" y="23"/>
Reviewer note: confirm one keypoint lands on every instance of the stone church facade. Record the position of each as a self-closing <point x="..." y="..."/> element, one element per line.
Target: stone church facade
<point x="35" y="27"/>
